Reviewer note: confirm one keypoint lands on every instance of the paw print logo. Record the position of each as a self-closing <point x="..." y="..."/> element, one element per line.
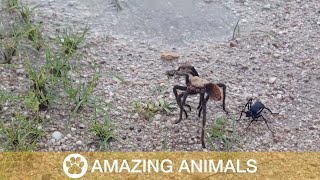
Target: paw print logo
<point x="75" y="165"/>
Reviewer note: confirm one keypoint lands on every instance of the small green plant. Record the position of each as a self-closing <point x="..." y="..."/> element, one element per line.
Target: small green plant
<point x="14" y="31"/>
<point x="38" y="96"/>
<point x="80" y="93"/>
<point x="149" y="109"/>
<point x="9" y="49"/>
<point x="25" y="13"/>
<point x="34" y="35"/>
<point x="221" y="135"/>
<point x="165" y="146"/>
<point x="57" y="65"/>
<point x="21" y="134"/>
<point x="7" y="97"/>
<point x="38" y="43"/>
<point x="11" y="4"/>
<point x="2" y="34"/>
<point x="236" y="31"/>
<point x="10" y="45"/>
<point x="70" y="40"/>
<point x="145" y="110"/>
<point x="104" y="131"/>
<point x="119" y="5"/>
<point x="158" y="89"/>
<point x="164" y="106"/>
<point x="33" y="32"/>
<point x="32" y="101"/>
<point x="119" y="79"/>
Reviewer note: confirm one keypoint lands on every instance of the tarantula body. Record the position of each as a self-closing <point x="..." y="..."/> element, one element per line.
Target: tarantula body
<point x="213" y="90"/>
<point x="254" y="111"/>
<point x="202" y="87"/>
<point x="191" y="70"/>
<point x="197" y="85"/>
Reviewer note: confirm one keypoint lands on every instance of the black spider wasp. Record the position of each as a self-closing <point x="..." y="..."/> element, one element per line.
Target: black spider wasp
<point x="255" y="111"/>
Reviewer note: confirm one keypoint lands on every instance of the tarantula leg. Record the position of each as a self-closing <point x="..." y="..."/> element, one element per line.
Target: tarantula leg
<point x="188" y="106"/>
<point x="224" y="87"/>
<point x="266" y="122"/>
<point x="175" y="90"/>
<point x="200" y="109"/>
<point x="179" y="102"/>
<point x="178" y="97"/>
<point x="199" y="106"/>
<point x="204" y="108"/>
<point x="185" y="95"/>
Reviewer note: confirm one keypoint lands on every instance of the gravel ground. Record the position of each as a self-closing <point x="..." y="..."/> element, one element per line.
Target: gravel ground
<point x="276" y="60"/>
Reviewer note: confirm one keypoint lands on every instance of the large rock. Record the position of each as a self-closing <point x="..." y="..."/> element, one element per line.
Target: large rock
<point x="169" y="56"/>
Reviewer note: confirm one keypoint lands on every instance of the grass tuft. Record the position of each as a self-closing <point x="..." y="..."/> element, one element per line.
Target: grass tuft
<point x="70" y="40"/>
<point x="34" y="35"/>
<point x="104" y="131"/>
<point x="26" y="13"/>
<point x="236" y="31"/>
<point x="149" y="109"/>
<point x="38" y="96"/>
<point x="222" y="138"/>
<point x="81" y="93"/>
<point x="9" y="49"/>
<point x="119" y="5"/>
<point x="21" y="134"/>
<point x="11" y="4"/>
<point x="57" y="65"/>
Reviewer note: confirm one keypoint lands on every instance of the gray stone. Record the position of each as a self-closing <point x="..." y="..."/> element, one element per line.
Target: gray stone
<point x="79" y="143"/>
<point x="157" y="117"/>
<point x="47" y="116"/>
<point x="82" y="126"/>
<point x="267" y="6"/>
<point x="56" y="135"/>
<point x="69" y="136"/>
<point x="272" y="80"/>
<point x="276" y="55"/>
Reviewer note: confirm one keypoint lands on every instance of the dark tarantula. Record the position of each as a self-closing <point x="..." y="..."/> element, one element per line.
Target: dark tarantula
<point x="196" y="85"/>
<point x="178" y="97"/>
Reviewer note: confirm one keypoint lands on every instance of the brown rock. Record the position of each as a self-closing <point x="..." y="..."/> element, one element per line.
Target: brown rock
<point x="232" y="44"/>
<point x="169" y="56"/>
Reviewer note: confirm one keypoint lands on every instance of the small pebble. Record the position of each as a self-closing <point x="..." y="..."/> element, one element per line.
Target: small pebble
<point x="56" y="135"/>
<point x="272" y="80"/>
<point x="79" y="143"/>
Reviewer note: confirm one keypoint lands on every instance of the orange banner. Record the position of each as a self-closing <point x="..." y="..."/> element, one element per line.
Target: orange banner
<point x="160" y="165"/>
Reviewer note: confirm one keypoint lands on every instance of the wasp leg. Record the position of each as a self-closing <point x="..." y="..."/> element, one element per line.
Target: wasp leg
<point x="249" y="102"/>
<point x="266" y="122"/>
<point x="270" y="110"/>
<point x="253" y="119"/>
